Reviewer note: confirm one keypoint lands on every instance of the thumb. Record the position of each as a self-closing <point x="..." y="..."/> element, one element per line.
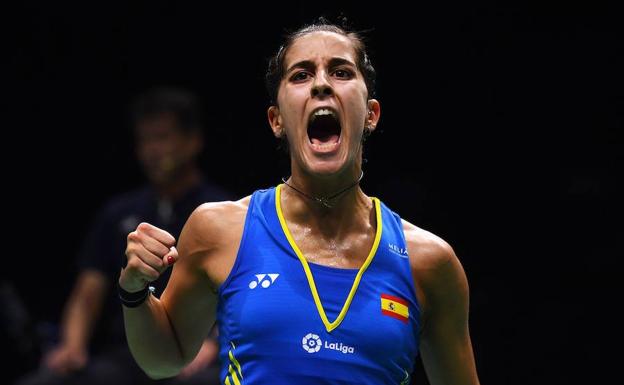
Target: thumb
<point x="171" y="257"/>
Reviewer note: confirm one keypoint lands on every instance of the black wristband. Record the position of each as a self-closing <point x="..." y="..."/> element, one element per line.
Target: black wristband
<point x="135" y="299"/>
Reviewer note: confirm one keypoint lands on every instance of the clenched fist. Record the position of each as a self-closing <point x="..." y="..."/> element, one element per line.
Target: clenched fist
<point x="150" y="251"/>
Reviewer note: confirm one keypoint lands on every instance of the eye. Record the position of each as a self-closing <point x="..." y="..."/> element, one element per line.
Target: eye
<point x="343" y="74"/>
<point x="300" y="76"/>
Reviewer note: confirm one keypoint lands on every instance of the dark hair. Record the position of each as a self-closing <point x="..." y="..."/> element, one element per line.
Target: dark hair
<point x="275" y="70"/>
<point x="182" y="104"/>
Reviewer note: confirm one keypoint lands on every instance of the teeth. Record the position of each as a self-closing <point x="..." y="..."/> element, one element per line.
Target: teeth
<point x="325" y="146"/>
<point x="323" y="111"/>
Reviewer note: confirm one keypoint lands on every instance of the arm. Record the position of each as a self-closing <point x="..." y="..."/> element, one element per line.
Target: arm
<point x="156" y="330"/>
<point x="165" y="335"/>
<point x="206" y="357"/>
<point x="81" y="312"/>
<point x="445" y="347"/>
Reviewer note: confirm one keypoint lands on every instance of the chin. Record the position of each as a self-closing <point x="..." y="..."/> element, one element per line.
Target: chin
<point x="325" y="167"/>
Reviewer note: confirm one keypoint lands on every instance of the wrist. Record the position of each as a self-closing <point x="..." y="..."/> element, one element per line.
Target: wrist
<point x="133" y="299"/>
<point x="130" y="282"/>
<point x="75" y="349"/>
<point x="73" y="345"/>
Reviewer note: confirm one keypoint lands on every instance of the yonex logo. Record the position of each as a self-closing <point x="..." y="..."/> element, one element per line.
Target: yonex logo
<point x="311" y="343"/>
<point x="262" y="280"/>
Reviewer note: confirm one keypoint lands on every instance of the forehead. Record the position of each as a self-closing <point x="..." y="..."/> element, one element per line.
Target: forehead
<point x="320" y="45"/>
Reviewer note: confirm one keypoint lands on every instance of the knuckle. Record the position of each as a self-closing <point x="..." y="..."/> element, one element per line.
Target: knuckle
<point x="134" y="264"/>
<point x="143" y="226"/>
<point x="130" y="251"/>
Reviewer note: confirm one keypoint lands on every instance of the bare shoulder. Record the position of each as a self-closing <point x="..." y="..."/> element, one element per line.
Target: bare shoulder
<point x="436" y="269"/>
<point x="210" y="222"/>
<point x="427" y="250"/>
<point x="442" y="292"/>
<point x="210" y="238"/>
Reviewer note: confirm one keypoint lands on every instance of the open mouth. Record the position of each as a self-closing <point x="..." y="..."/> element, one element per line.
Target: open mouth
<point x="324" y="128"/>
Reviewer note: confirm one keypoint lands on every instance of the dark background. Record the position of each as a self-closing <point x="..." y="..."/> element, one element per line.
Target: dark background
<point x="501" y="132"/>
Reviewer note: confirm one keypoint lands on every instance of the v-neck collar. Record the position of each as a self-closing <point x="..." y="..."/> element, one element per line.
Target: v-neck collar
<point x="306" y="267"/>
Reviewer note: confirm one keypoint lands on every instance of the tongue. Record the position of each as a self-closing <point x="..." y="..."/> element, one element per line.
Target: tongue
<point x="333" y="138"/>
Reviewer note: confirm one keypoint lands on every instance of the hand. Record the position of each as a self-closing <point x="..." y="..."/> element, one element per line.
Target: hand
<point x="150" y="252"/>
<point x="205" y="357"/>
<point x="64" y="359"/>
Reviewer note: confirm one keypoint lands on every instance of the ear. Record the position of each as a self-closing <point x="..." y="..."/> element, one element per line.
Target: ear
<point x="275" y="121"/>
<point x="374" y="112"/>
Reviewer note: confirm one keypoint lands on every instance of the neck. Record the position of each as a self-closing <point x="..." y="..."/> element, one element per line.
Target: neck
<point x="326" y="201"/>
<point x="352" y="213"/>
<point x="346" y="209"/>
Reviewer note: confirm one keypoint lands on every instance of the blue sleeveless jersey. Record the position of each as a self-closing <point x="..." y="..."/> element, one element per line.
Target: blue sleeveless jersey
<point x="283" y="320"/>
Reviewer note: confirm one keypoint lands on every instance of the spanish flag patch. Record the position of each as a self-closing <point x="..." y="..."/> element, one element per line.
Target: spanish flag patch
<point x="394" y="307"/>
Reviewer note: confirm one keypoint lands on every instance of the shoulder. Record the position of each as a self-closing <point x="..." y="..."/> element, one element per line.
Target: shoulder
<point x="221" y="210"/>
<point x="210" y="238"/>
<point x="438" y="274"/>
<point x="211" y="220"/>
<point x="428" y="250"/>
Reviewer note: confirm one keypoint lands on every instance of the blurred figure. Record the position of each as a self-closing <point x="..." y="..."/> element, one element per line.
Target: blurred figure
<point x="17" y="334"/>
<point x="92" y="348"/>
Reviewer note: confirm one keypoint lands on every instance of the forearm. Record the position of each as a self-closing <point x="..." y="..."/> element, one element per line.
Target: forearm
<point x="165" y="335"/>
<point x="78" y="321"/>
<point x="152" y="340"/>
<point x="83" y="309"/>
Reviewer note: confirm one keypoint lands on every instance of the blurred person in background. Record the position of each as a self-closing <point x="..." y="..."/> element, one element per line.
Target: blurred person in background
<point x="92" y="348"/>
<point x="18" y="337"/>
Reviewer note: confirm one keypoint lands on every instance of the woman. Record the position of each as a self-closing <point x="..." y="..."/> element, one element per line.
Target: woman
<point x="312" y="281"/>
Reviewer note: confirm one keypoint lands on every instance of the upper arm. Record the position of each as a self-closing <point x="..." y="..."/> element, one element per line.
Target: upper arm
<point x="445" y="347"/>
<point x="190" y="298"/>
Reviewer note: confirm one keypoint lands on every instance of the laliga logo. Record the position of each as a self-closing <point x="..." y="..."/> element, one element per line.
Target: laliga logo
<point x="311" y="343"/>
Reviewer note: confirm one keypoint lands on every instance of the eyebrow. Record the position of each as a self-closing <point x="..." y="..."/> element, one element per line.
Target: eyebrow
<point x="309" y="65"/>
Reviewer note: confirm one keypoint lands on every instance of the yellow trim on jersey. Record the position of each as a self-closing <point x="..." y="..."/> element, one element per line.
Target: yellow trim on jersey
<point x="317" y="300"/>
<point x="231" y="371"/>
<point x="235" y="361"/>
<point x="406" y="380"/>
<point x="233" y="375"/>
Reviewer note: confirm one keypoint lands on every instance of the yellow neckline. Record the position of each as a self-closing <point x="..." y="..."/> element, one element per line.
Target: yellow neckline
<point x="306" y="267"/>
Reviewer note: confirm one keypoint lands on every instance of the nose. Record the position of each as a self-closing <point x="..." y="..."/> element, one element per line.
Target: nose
<point x="321" y="87"/>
